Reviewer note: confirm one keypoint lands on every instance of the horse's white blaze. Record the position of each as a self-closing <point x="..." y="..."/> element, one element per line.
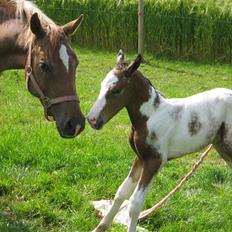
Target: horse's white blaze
<point x="64" y="56"/>
<point x="170" y="121"/>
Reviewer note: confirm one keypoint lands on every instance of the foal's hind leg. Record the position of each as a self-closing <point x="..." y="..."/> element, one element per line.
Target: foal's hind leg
<point x="123" y="193"/>
<point x="223" y="144"/>
<point x="225" y="151"/>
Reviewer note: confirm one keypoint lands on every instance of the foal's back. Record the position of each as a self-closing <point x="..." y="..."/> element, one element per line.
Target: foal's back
<point x="186" y="125"/>
<point x="210" y="95"/>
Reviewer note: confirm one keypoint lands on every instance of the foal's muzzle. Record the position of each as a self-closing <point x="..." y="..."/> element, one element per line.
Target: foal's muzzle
<point x="96" y="123"/>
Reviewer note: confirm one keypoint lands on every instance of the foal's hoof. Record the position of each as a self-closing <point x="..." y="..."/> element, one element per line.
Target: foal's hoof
<point x="100" y="228"/>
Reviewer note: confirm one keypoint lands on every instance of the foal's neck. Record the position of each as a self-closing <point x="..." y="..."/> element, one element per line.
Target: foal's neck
<point x="143" y="92"/>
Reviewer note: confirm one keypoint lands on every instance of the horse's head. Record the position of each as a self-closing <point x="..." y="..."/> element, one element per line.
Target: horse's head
<point x="116" y="92"/>
<point x="50" y="74"/>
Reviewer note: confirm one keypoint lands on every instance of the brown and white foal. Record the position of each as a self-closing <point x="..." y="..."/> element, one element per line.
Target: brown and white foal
<point x="162" y="129"/>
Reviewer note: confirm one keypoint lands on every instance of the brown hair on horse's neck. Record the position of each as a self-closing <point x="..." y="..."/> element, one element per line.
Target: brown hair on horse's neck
<point x="141" y="90"/>
<point x="15" y="18"/>
<point x="23" y="10"/>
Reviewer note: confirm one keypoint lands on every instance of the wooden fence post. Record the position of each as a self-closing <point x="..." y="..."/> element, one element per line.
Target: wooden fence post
<point x="141" y="27"/>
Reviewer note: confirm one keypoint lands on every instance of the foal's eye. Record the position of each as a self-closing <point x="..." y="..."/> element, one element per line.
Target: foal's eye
<point x="116" y="92"/>
<point x="44" y="67"/>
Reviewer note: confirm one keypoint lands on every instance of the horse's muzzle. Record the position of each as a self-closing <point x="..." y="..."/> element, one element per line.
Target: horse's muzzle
<point x="71" y="128"/>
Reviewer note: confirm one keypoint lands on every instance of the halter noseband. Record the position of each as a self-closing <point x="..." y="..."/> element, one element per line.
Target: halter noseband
<point x="46" y="101"/>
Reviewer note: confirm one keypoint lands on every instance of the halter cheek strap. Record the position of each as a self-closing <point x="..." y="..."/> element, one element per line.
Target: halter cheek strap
<point x="46" y="101"/>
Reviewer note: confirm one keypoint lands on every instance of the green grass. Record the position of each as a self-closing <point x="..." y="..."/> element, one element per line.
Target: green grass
<point x="47" y="183"/>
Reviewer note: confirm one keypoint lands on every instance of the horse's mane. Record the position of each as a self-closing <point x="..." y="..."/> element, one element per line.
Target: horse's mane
<point x="23" y="12"/>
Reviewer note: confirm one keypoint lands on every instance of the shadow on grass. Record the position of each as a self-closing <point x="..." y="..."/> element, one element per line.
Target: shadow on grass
<point x="9" y="225"/>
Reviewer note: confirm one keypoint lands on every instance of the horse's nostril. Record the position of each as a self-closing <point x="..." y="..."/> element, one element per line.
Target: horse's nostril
<point x="73" y="127"/>
<point x="70" y="124"/>
<point x="99" y="124"/>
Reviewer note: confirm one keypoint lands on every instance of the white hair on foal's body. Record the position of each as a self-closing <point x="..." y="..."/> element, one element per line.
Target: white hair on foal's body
<point x="170" y="121"/>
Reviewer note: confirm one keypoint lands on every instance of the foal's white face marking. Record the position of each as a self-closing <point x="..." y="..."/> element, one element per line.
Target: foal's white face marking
<point x="64" y="56"/>
<point x="109" y="80"/>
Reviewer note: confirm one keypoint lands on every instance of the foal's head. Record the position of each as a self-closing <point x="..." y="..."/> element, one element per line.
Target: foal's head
<point x="116" y="92"/>
<point x="52" y="64"/>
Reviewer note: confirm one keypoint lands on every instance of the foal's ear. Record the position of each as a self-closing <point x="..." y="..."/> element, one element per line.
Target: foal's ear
<point x="35" y="25"/>
<point x="133" y="66"/>
<point x="120" y="58"/>
<point x="71" y="27"/>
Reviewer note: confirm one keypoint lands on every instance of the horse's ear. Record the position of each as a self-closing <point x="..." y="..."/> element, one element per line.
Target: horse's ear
<point x="133" y="66"/>
<point x="120" y="58"/>
<point x="71" y="27"/>
<point x="35" y="25"/>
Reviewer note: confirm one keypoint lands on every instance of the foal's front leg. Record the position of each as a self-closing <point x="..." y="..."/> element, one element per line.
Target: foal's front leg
<point x="123" y="193"/>
<point x="151" y="167"/>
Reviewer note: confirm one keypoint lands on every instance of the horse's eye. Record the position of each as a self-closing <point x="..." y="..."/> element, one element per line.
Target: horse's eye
<point x="44" y="67"/>
<point x="116" y="92"/>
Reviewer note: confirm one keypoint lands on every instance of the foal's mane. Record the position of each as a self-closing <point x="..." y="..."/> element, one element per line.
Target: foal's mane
<point x="124" y="65"/>
<point x="23" y="12"/>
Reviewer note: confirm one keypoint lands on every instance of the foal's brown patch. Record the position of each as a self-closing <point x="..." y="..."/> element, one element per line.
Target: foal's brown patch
<point x="156" y="101"/>
<point x="194" y="124"/>
<point x="175" y="114"/>
<point x="135" y="172"/>
<point x="151" y="166"/>
<point x="153" y="136"/>
<point x="222" y="132"/>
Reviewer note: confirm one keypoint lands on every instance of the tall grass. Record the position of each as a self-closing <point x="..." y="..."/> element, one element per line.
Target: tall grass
<point x="108" y="24"/>
<point x="200" y="30"/>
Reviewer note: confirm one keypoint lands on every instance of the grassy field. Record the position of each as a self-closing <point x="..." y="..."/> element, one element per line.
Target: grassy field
<point x="47" y="183"/>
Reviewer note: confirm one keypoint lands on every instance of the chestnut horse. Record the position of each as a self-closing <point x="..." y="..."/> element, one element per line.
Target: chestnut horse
<point x="30" y="40"/>
<point x="162" y="129"/>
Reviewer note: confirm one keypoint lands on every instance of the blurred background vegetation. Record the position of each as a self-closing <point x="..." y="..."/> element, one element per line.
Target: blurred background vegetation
<point x="199" y="30"/>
